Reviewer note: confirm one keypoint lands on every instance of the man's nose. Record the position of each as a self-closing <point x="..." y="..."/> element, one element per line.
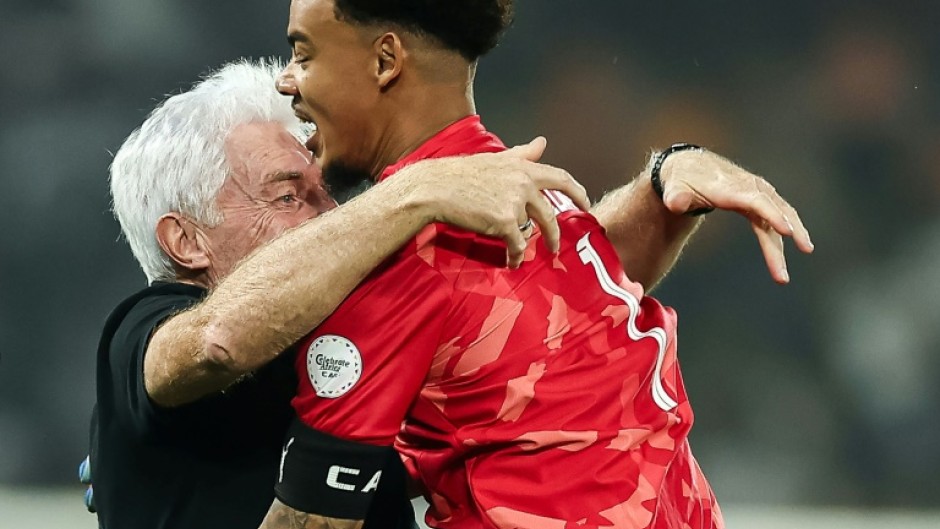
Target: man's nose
<point x="285" y="83"/>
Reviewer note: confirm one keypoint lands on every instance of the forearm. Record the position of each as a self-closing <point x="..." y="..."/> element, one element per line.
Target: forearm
<point x="647" y="236"/>
<point x="280" y="293"/>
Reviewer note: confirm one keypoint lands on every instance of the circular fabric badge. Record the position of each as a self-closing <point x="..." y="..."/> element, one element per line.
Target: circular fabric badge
<point x="334" y="365"/>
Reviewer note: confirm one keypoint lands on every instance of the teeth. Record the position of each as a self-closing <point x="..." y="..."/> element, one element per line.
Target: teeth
<point x="309" y="128"/>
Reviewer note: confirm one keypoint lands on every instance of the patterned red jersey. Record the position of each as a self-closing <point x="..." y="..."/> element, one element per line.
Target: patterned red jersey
<point x="547" y="397"/>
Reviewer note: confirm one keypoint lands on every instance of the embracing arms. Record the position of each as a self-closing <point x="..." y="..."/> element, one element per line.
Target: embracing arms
<point x="287" y="287"/>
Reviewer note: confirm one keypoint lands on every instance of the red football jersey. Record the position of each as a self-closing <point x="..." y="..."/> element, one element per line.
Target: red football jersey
<point x="544" y="397"/>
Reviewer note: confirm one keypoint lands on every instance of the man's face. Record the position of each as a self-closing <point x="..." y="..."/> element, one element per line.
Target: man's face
<point x="331" y="80"/>
<point x="274" y="186"/>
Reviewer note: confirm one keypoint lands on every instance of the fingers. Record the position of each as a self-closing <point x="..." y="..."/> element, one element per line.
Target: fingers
<point x="773" y="218"/>
<point x="537" y="210"/>
<point x="800" y="233"/>
<point x="531" y="151"/>
<point x="89" y="499"/>
<point x="771" y="244"/>
<point x="515" y="245"/>
<point x="84" y="471"/>
<point x="678" y="201"/>
<point x="541" y="212"/>
<point x="797" y="229"/>
<point x="760" y="206"/>
<point x="770" y="224"/>
<point x="548" y="177"/>
<point x="84" y="475"/>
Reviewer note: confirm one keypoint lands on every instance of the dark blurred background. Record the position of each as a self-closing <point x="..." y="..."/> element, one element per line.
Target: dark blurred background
<point x="826" y="391"/>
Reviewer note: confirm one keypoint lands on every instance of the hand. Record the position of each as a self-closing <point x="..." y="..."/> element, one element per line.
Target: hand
<point x="703" y="179"/>
<point x="84" y="475"/>
<point x="496" y="194"/>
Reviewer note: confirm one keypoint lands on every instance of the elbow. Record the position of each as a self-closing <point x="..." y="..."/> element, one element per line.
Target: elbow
<point x="222" y="353"/>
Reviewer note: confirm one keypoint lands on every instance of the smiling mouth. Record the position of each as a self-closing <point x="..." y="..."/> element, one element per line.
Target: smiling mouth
<point x="301" y="115"/>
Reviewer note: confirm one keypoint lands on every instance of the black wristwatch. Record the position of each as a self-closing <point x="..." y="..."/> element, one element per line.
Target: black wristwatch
<point x="658" y="162"/>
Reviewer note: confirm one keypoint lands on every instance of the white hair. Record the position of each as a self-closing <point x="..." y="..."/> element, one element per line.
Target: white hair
<point x="175" y="161"/>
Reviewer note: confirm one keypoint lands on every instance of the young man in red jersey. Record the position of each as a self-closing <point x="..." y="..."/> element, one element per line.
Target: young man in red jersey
<point x="547" y="396"/>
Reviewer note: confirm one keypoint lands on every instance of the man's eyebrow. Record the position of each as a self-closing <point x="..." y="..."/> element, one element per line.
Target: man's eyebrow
<point x="281" y="176"/>
<point x="295" y="36"/>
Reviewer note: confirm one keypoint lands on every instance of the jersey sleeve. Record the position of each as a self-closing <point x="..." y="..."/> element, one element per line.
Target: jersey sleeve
<point x="359" y="372"/>
<point x="128" y="347"/>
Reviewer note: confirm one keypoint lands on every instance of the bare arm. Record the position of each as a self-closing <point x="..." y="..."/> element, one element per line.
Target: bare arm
<point x="650" y="233"/>
<point x="281" y="516"/>
<point x="647" y="236"/>
<point x="289" y="286"/>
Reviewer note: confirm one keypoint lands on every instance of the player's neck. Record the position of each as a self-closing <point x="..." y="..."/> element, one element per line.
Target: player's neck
<point x="423" y="115"/>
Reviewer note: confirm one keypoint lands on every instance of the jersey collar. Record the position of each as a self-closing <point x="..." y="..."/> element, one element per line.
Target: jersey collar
<point x="465" y="136"/>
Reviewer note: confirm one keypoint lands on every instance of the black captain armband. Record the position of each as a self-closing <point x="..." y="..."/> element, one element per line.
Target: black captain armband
<point x="332" y="477"/>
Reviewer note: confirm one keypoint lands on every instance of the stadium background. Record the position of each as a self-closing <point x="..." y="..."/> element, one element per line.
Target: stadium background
<point x="821" y="394"/>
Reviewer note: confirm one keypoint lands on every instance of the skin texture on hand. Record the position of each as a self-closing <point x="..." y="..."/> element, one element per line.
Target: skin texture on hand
<point x="700" y="179"/>
<point x="281" y="516"/>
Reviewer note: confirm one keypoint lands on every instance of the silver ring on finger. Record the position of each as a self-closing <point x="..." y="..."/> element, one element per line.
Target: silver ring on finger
<point x="527" y="226"/>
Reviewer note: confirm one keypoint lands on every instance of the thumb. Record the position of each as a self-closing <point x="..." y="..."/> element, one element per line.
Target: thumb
<point x="678" y="201"/>
<point x="531" y="151"/>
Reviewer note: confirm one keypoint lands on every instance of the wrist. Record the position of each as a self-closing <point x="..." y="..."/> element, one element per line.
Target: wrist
<point x="658" y="167"/>
<point x="410" y="194"/>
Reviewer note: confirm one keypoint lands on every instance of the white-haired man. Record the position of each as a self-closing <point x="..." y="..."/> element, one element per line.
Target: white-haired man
<point x="215" y="196"/>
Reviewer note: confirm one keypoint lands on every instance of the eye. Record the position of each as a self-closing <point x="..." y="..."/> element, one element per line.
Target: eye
<point x="289" y="198"/>
<point x="302" y="55"/>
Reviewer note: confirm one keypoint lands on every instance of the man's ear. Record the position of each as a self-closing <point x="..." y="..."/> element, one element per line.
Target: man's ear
<point x="180" y="240"/>
<point x="390" y="58"/>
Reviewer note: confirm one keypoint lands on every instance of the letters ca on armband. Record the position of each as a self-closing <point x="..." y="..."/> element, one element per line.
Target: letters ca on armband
<point x="327" y="475"/>
<point x="344" y="478"/>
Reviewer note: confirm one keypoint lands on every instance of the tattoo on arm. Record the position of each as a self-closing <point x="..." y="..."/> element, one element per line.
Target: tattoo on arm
<point x="281" y="516"/>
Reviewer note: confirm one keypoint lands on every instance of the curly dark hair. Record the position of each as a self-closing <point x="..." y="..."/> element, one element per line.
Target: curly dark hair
<point x="471" y="27"/>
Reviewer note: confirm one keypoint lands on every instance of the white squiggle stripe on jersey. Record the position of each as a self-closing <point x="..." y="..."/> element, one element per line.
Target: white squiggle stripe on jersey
<point x="589" y="256"/>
